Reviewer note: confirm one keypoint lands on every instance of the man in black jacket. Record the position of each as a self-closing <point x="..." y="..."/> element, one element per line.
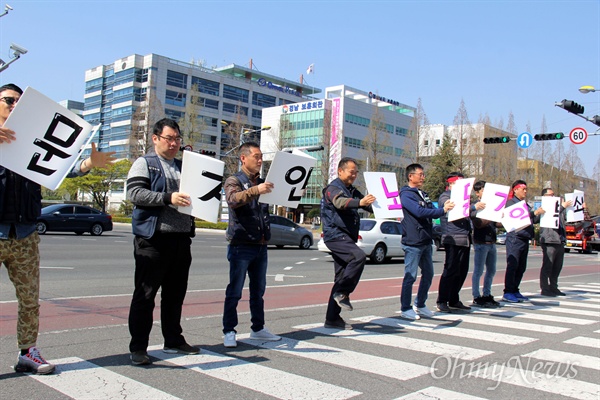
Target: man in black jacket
<point x="341" y="222"/>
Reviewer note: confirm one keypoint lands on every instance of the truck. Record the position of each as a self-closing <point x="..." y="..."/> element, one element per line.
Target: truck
<point x="581" y="236"/>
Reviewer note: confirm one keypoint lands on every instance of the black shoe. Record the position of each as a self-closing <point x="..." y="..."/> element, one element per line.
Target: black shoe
<point x="140" y="357"/>
<point x="548" y="293"/>
<point x="480" y="301"/>
<point x="183" y="349"/>
<point x="558" y="292"/>
<point x="459" y="306"/>
<point x="337" y="324"/>
<point x="490" y="302"/>
<point x="443" y="307"/>
<point x="343" y="301"/>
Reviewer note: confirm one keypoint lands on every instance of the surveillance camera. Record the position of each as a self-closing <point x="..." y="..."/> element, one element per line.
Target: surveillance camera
<point x="18" y="49"/>
<point x="7" y="7"/>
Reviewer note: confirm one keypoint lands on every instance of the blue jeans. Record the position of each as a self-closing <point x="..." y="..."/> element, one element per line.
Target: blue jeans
<point x="485" y="254"/>
<point x="250" y="259"/>
<point x="416" y="256"/>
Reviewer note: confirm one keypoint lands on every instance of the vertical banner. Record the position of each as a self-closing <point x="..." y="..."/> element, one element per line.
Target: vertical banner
<point x="336" y="142"/>
<point x="516" y="217"/>
<point x="575" y="211"/>
<point x="50" y="138"/>
<point x="384" y="186"/>
<point x="289" y="174"/>
<point x="494" y="197"/>
<point x="461" y="196"/>
<point x="202" y="179"/>
<point x="550" y="219"/>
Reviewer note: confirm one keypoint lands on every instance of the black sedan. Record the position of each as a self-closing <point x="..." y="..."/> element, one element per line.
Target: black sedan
<point x="73" y="218"/>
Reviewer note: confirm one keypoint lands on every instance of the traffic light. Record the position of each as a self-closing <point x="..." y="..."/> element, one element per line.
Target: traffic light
<point x="493" y="140"/>
<point x="550" y="136"/>
<point x="208" y="153"/>
<point x="595" y="120"/>
<point x="571" y="106"/>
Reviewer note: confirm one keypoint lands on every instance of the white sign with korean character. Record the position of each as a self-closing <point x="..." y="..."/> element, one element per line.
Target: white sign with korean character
<point x="384" y="186"/>
<point x="461" y="196"/>
<point x="516" y="217"/>
<point x="551" y="206"/>
<point x="494" y="197"/>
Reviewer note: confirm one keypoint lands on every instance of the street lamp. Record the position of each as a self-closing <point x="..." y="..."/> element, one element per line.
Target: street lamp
<point x="587" y="89"/>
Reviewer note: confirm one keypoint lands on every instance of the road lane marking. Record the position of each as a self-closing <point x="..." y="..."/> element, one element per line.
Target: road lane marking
<point x="585" y="341"/>
<point x="401" y="342"/>
<point x="432" y="393"/>
<point x="81" y="379"/>
<point x="395" y="369"/>
<point x="577" y="360"/>
<point x="253" y="376"/>
<point x="502" y="323"/>
<point x="562" y="303"/>
<point x="450" y="330"/>
<point x="539" y="317"/>
<point x="287" y="268"/>
<point x="561" y="310"/>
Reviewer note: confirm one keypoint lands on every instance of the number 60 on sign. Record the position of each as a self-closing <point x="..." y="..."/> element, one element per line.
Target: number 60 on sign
<point x="578" y="135"/>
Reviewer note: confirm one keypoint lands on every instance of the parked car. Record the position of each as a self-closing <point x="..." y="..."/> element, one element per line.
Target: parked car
<point x="288" y="233"/>
<point x="73" y="218"/>
<point x="380" y="239"/>
<point x="501" y="238"/>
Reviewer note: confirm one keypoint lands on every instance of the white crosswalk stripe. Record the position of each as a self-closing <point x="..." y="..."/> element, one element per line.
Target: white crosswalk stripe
<point x="407" y="343"/>
<point x="509" y="315"/>
<point x="556" y="302"/>
<point x="450" y="330"/>
<point x="432" y="393"/>
<point x="474" y="318"/>
<point x="81" y="379"/>
<point x="585" y="341"/>
<point x="554" y="309"/>
<point x="565" y="357"/>
<point x="269" y="381"/>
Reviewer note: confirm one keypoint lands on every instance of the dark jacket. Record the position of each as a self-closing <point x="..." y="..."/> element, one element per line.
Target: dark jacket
<point x="26" y="206"/>
<point x="484" y="231"/>
<point x="418" y="212"/>
<point x="528" y="232"/>
<point x="456" y="232"/>
<point x="249" y="222"/>
<point x="339" y="211"/>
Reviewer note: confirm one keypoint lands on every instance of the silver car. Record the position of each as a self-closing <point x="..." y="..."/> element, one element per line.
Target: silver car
<point x="380" y="239"/>
<point x="288" y="233"/>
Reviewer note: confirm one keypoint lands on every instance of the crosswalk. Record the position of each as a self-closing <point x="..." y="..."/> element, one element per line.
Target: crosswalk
<point x="518" y="350"/>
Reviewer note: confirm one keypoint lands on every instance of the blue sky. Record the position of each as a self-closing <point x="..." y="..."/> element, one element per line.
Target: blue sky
<point x="497" y="56"/>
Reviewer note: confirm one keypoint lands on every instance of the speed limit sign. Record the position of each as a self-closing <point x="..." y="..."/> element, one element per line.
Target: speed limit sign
<point x="578" y="135"/>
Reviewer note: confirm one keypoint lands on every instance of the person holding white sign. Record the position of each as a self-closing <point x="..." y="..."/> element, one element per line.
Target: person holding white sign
<point x="20" y="205"/>
<point x="552" y="241"/>
<point x="248" y="232"/>
<point x="341" y="223"/>
<point x="456" y="237"/>
<point x="162" y="244"/>
<point x="517" y="244"/>
<point x="416" y="242"/>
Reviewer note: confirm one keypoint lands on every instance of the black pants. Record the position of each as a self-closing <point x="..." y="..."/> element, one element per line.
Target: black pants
<point x="516" y="263"/>
<point x="552" y="263"/>
<point x="162" y="261"/>
<point x="456" y="268"/>
<point x="349" y="261"/>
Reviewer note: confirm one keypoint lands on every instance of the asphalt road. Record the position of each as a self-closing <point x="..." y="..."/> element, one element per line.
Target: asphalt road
<point x="87" y="284"/>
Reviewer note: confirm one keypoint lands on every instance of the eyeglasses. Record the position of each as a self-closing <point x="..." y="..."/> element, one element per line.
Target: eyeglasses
<point x="170" y="139"/>
<point x="10" y="100"/>
<point x="420" y="174"/>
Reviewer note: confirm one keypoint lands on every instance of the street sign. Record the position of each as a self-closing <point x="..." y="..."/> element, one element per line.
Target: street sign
<point x="524" y="140"/>
<point x="578" y="135"/>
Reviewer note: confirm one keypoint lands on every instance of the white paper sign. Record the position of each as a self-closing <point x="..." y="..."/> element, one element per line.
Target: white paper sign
<point x="461" y="196"/>
<point x="516" y="217"/>
<point x="551" y="206"/>
<point x="202" y="179"/>
<point x="49" y="139"/>
<point x="494" y="197"/>
<point x="575" y="211"/>
<point x="384" y="186"/>
<point x="289" y="175"/>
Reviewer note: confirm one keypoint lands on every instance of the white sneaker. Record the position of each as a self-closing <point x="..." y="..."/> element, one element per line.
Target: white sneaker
<point x="264" y="334"/>
<point x="410" y="314"/>
<point x="33" y="362"/>
<point x="423" y="311"/>
<point x="229" y="339"/>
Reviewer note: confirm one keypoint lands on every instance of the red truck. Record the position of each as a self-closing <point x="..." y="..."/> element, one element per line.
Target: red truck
<point x="581" y="236"/>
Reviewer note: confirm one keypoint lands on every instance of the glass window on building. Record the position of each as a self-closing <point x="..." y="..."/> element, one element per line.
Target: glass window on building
<point x="125" y="76"/>
<point x="123" y="95"/>
<point x="206" y="86"/>
<point x="175" y="98"/>
<point x="92" y="102"/>
<point x="207" y="103"/>
<point x="235" y="93"/>
<point x="209" y="121"/>
<point x="263" y="100"/>
<point x="176" y="79"/>
<point x="235" y="109"/>
<point x="174" y="114"/>
<point x="437" y="142"/>
<point x="256" y="113"/>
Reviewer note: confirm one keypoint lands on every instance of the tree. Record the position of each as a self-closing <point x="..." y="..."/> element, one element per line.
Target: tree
<point x="99" y="182"/>
<point x="417" y="134"/>
<point x="441" y="164"/>
<point x="192" y="124"/>
<point x="232" y="136"/>
<point x="462" y="131"/>
<point x="377" y="149"/>
<point x="143" y="119"/>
